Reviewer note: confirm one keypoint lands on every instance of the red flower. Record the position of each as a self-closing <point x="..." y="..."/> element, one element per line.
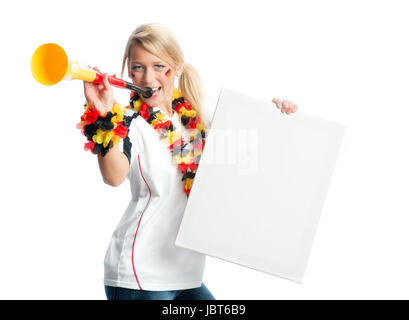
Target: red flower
<point x="162" y="124"/>
<point x="89" y="146"/>
<point x="144" y="111"/>
<point x="121" y="130"/>
<point x="188" y="106"/>
<point x="193" y="124"/>
<point x="178" y="107"/>
<point x="90" y="116"/>
<point x="176" y="143"/>
<point x="184" y="166"/>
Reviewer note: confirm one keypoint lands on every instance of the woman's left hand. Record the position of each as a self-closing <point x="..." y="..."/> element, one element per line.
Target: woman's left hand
<point x="285" y="106"/>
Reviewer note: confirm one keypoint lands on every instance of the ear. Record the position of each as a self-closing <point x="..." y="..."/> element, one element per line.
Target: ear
<point x="179" y="71"/>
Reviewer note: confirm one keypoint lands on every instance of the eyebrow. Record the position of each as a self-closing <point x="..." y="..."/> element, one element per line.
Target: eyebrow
<point x="155" y="62"/>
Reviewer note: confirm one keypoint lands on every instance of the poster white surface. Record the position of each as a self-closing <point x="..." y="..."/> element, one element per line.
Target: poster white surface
<point x="261" y="186"/>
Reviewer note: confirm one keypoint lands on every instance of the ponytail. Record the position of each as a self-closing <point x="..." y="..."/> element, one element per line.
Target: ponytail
<point x="190" y="85"/>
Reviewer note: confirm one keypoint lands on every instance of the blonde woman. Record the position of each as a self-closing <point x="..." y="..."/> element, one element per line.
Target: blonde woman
<point x="159" y="156"/>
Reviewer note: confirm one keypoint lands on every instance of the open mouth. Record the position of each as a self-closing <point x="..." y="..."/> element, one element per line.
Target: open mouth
<point x="156" y="91"/>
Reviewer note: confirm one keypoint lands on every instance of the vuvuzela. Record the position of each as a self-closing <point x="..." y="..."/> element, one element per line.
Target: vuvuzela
<point x="50" y="65"/>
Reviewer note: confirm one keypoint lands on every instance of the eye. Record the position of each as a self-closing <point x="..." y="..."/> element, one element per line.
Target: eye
<point x="159" y="66"/>
<point x="136" y="67"/>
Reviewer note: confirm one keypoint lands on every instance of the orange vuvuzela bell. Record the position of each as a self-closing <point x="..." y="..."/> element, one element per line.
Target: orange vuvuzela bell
<point x="50" y="65"/>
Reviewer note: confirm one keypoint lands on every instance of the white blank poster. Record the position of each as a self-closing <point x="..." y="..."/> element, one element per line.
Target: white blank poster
<point x="261" y="186"/>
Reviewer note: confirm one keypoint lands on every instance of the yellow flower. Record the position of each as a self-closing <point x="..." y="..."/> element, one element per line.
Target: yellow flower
<point x="193" y="134"/>
<point x="186" y="159"/>
<point x="115" y="139"/>
<point x="189" y="113"/>
<point x="160" y="117"/>
<point x="103" y="137"/>
<point x="117" y="108"/>
<point x="98" y="137"/>
<point x="137" y="105"/>
<point x="108" y="137"/>
<point x="176" y="94"/>
<point x="200" y="127"/>
<point x="188" y="183"/>
<point x="171" y="136"/>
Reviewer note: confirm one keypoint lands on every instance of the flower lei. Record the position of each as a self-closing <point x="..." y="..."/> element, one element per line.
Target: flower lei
<point x="185" y="155"/>
<point x="102" y="131"/>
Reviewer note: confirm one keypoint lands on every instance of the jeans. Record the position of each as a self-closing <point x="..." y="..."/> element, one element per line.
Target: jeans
<point x="118" y="293"/>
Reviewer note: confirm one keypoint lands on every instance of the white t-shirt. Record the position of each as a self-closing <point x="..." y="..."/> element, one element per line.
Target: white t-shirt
<point x="142" y="254"/>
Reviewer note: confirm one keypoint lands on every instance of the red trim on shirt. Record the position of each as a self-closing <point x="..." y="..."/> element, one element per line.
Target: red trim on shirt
<point x="136" y="232"/>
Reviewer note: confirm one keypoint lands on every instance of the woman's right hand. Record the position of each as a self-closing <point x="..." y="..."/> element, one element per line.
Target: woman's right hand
<point x="99" y="96"/>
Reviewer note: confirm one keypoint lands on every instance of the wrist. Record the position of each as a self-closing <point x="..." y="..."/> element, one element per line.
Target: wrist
<point x="102" y="131"/>
<point x="103" y="108"/>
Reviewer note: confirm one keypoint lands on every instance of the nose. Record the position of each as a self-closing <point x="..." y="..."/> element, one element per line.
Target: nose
<point x="148" y="77"/>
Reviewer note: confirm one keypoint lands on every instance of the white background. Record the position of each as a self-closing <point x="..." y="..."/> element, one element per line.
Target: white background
<point x="343" y="61"/>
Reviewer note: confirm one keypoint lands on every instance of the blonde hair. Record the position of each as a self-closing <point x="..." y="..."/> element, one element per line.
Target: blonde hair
<point x="160" y="41"/>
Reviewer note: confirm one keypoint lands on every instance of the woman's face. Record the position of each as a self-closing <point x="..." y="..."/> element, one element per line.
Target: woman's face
<point x="147" y="70"/>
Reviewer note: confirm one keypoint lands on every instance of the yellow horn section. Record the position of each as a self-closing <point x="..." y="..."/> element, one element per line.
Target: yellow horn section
<point x="50" y="65"/>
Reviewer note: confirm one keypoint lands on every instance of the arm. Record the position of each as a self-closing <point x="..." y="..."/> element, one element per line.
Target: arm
<point x="114" y="167"/>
